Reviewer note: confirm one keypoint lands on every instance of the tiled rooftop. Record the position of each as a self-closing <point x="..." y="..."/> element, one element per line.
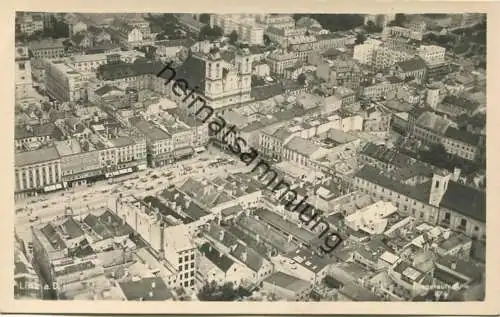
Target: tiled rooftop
<point x="288" y="282"/>
<point x="36" y="156"/>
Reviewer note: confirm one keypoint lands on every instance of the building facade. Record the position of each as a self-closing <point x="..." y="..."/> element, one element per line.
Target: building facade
<point x="432" y="54"/>
<point x="47" y="48"/>
<point x="38" y="170"/>
<point x="281" y="60"/>
<point x="65" y="83"/>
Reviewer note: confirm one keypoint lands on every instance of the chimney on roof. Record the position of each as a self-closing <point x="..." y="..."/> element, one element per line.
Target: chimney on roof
<point x="221" y="235"/>
<point x="153" y="284"/>
<point x="187" y="203"/>
<point x="244" y="256"/>
<point x="150" y="294"/>
<point x="162" y="241"/>
<point x="456" y="174"/>
<point x="454" y="265"/>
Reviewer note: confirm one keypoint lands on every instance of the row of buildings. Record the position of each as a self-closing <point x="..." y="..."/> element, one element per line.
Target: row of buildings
<point x="401" y="243"/>
<point x="66" y="158"/>
<point x="407" y="226"/>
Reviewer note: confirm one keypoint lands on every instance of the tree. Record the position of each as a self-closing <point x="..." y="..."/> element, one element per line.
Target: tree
<point x="60" y="29"/>
<point x="205" y="18"/>
<point x="46" y="106"/>
<point x="208" y="33"/>
<point x="207" y="291"/>
<point x="370" y="27"/>
<point x="267" y="41"/>
<point x="67" y="44"/>
<point x="227" y="292"/>
<point x="360" y="38"/>
<point x="335" y="22"/>
<point x="399" y="20"/>
<point x="160" y="37"/>
<point x="301" y="79"/>
<point x="213" y="292"/>
<point x="233" y="37"/>
<point x="257" y="81"/>
<point x="392" y="23"/>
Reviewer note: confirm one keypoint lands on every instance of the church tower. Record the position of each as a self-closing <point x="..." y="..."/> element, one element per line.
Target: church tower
<point x="439" y="187"/>
<point x="244" y="64"/>
<point x="213" y="74"/>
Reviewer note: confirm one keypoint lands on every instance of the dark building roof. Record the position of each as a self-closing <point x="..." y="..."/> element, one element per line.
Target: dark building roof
<point x="77" y="267"/>
<point x="260" y="246"/>
<point x="419" y="192"/>
<point x="254" y="49"/>
<point x="461" y="267"/>
<point x="20" y="268"/>
<point x="72" y="228"/>
<point x="462" y="136"/>
<point x="125" y="70"/>
<point x="412" y="65"/>
<point x="461" y="102"/>
<point x="194" y="211"/>
<point x="332" y="53"/>
<point x="223" y="262"/>
<point x="150" y="288"/>
<point x="105" y="89"/>
<point x="181" y="42"/>
<point x="114" y="224"/>
<point x="151" y="131"/>
<point x="100" y="48"/>
<point x="193" y="71"/>
<point x="252" y="259"/>
<point x="93" y="222"/>
<point x="36" y="156"/>
<point x="165" y="210"/>
<point x="399" y="160"/>
<point x="22" y="132"/>
<point x="287" y="281"/>
<point x="465" y="200"/>
<point x="228" y="56"/>
<point x="266" y="92"/>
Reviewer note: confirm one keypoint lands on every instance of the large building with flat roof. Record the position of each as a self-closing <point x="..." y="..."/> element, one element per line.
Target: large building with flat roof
<point x="66" y="83"/>
<point x="38" y="170"/>
<point x="52" y="48"/>
<point x="158" y="142"/>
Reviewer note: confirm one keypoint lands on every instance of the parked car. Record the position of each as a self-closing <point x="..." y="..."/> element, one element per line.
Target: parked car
<point x="33" y="218"/>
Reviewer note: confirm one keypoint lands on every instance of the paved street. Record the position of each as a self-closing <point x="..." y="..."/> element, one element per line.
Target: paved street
<point x="81" y="200"/>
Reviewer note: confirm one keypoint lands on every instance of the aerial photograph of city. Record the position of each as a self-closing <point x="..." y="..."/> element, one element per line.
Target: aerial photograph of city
<point x="250" y="157"/>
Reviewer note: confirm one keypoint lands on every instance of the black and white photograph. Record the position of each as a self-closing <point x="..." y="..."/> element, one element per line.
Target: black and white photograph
<point x="250" y="157"/>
